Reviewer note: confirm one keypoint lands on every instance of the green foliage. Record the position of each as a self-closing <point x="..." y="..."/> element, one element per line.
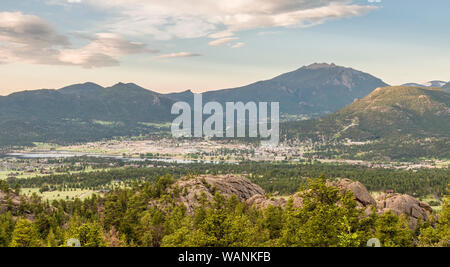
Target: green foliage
<point x="439" y="235"/>
<point x="89" y="234"/>
<point x="74" y="114"/>
<point x="393" y="231"/>
<point x="400" y="123"/>
<point x="272" y="177"/>
<point x="51" y="240"/>
<point x="6" y="229"/>
<point x="327" y="218"/>
<point x="147" y="215"/>
<point x="224" y="224"/>
<point x="25" y="235"/>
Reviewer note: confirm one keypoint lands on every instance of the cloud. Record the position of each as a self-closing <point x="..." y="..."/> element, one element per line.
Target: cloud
<point x="222" y="41"/>
<point x="103" y="51"/>
<point x="222" y="34"/>
<point x="167" y="19"/>
<point x="238" y="45"/>
<point x="178" y="55"/>
<point x="30" y="39"/>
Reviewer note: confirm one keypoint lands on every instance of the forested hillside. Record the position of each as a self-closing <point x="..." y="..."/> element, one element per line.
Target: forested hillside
<point x="394" y="123"/>
<point x="326" y="217"/>
<point x="82" y="112"/>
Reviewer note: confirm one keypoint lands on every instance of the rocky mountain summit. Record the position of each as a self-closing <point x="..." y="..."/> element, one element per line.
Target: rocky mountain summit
<point x="192" y="189"/>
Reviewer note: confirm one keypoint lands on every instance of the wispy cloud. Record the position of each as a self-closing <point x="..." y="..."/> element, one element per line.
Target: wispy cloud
<point x="30" y="39"/>
<point x="222" y="41"/>
<point x="238" y="45"/>
<point x="178" y="55"/>
<point x="167" y="19"/>
<point x="103" y="51"/>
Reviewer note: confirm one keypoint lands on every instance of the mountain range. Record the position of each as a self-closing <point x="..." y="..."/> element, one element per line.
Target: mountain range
<point x="312" y="90"/>
<point x="80" y="112"/>
<point x="85" y="112"/>
<point x="89" y="101"/>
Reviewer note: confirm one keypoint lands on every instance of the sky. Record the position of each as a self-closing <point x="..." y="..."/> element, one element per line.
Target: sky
<point x="202" y="45"/>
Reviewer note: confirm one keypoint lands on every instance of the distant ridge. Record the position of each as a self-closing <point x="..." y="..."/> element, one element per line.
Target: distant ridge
<point x="82" y="89"/>
<point x="81" y="112"/>
<point x="185" y="96"/>
<point x="438" y="84"/>
<point x="389" y="112"/>
<point x="312" y="90"/>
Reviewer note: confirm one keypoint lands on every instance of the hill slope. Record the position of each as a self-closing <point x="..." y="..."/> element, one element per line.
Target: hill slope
<point x="400" y="110"/>
<point x="400" y="122"/>
<point x="80" y="112"/>
<point x="386" y="113"/>
<point x="121" y="102"/>
<point x="312" y="90"/>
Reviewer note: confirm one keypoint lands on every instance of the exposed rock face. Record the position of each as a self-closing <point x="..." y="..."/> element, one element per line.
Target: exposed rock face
<point x="263" y="202"/>
<point x="207" y="186"/>
<point x="404" y="204"/>
<point x="361" y="195"/>
<point x="234" y="185"/>
<point x="190" y="191"/>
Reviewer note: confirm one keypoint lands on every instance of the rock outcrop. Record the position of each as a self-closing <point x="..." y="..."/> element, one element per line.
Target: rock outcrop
<point x="263" y="202"/>
<point x="404" y="204"/>
<point x="360" y="193"/>
<point x="191" y="190"/>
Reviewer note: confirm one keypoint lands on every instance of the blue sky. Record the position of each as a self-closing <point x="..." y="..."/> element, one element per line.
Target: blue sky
<point x="174" y="45"/>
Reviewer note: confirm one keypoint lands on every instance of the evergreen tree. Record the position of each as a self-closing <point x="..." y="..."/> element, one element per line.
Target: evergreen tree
<point x="6" y="229"/>
<point x="326" y="218"/>
<point x="439" y="235"/>
<point x="393" y="231"/>
<point x="25" y="235"/>
<point x="51" y="239"/>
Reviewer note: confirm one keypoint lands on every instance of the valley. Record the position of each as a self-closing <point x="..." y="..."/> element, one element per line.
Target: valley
<point x="105" y="156"/>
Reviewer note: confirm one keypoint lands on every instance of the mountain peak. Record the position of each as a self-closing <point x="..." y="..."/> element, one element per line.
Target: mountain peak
<point x="81" y="88"/>
<point x="83" y="85"/>
<point x="130" y="87"/>
<point x="388" y="113"/>
<point x="127" y="86"/>
<point x="316" y="66"/>
<point x="90" y="84"/>
<point x="121" y="84"/>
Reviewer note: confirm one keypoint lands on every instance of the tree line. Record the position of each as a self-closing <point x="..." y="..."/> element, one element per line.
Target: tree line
<point x="124" y="218"/>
